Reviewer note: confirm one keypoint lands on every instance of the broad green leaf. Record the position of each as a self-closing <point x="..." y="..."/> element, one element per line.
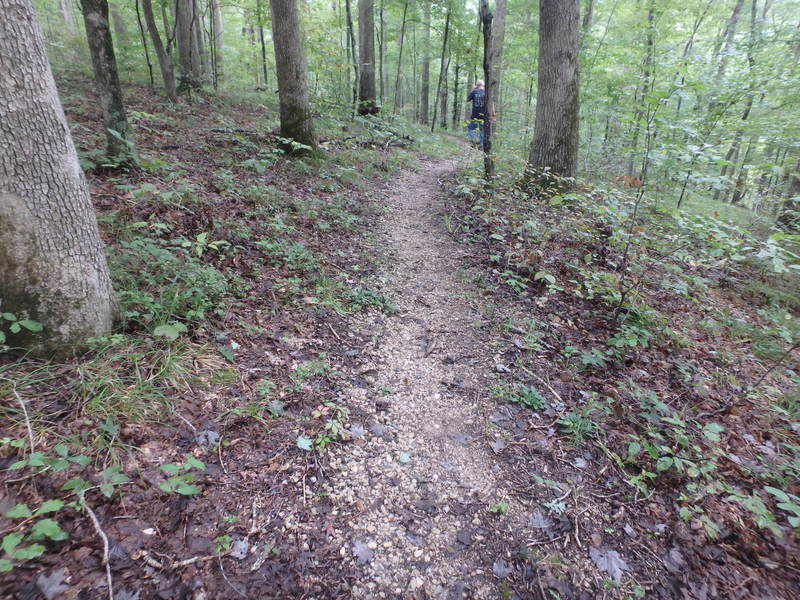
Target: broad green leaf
<point x="34" y="326"/>
<point x="49" y="506"/>
<point x="170" y="469"/>
<point x="20" y="511"/>
<point x="48" y="528"/>
<point x="5" y="565"/>
<point x="304" y="443"/>
<point x="28" y="552"/>
<point x="194" y="463"/>
<point x="11" y="541"/>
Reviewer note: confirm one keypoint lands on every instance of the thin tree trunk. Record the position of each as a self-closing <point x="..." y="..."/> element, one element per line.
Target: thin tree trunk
<point x="262" y="43"/>
<point x="366" y="57"/>
<point x="588" y="14"/>
<point x="555" y="141"/>
<point x="384" y="73"/>
<point x="486" y="19"/>
<point x="789" y="217"/>
<point x="119" y="141"/>
<point x="445" y="94"/>
<point x="647" y="85"/>
<point x="52" y="262"/>
<point x="400" y="57"/>
<point x="456" y="96"/>
<point x="425" y="75"/>
<point x="351" y="38"/>
<point x="733" y="152"/>
<point x="164" y="61"/>
<point x="144" y="44"/>
<point x="290" y="63"/>
<point x="442" y="69"/>
<point x="468" y="109"/>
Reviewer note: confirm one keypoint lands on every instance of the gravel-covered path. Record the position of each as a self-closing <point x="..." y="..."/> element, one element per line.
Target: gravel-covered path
<point x="420" y="488"/>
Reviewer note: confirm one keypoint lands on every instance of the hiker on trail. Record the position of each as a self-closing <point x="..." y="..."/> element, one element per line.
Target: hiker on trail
<point x="478" y="117"/>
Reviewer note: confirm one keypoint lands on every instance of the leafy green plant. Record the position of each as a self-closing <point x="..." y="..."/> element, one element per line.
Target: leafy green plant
<point x="17" y="325"/>
<point x="529" y="396"/>
<point x="180" y="479"/>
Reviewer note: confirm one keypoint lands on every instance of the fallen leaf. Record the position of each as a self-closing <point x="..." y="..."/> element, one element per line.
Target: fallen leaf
<point x="502" y="569"/>
<point x="609" y="561"/>
<point x="50" y="585"/>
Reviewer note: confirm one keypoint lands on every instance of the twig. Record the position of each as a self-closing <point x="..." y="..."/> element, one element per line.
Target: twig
<point x="333" y="331"/>
<point x="219" y="453"/>
<point x="185" y="420"/>
<point x="228" y="581"/>
<point x="21" y="403"/>
<point x="544" y="383"/>
<point x="103" y="537"/>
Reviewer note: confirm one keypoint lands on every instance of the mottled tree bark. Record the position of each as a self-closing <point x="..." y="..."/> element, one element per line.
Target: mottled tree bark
<point x="52" y="262"/>
<point x="184" y="34"/>
<point x="366" y="58"/>
<point x="290" y="64"/>
<point x="498" y="38"/>
<point x="555" y="139"/>
<point x="119" y="141"/>
<point x="425" y="69"/>
<point x="164" y="60"/>
<point x="218" y="39"/>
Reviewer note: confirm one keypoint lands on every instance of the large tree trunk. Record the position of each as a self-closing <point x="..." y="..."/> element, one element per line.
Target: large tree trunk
<point x="187" y="50"/>
<point x="290" y="64"/>
<point x="164" y="61"/>
<point x="52" y="262"/>
<point x="555" y="140"/>
<point x="366" y="58"/>
<point x="201" y="60"/>
<point x="218" y="40"/>
<point x="498" y="37"/>
<point x="119" y="142"/>
<point x="425" y="71"/>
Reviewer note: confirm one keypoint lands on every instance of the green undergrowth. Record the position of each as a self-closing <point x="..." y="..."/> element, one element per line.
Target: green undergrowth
<point x="670" y="337"/>
<point x="214" y="244"/>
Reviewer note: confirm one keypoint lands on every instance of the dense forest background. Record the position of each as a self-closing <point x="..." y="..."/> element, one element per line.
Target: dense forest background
<point x="277" y="330"/>
<point x="696" y="100"/>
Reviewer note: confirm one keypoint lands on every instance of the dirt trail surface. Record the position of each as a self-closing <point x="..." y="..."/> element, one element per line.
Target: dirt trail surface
<point x="421" y="486"/>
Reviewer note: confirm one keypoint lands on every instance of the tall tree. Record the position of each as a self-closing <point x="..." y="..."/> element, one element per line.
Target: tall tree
<point x="290" y="65"/>
<point x="400" y="40"/>
<point x="425" y="69"/>
<point x="366" y="56"/>
<point x="188" y="58"/>
<point x="486" y="22"/>
<point x="119" y="141"/>
<point x="52" y="262"/>
<point x="164" y="60"/>
<point x="217" y="41"/>
<point x="555" y="140"/>
<point x="498" y="39"/>
<point x="442" y="76"/>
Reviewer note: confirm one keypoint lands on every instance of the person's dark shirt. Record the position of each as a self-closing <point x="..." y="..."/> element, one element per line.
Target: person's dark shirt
<point x="478" y="99"/>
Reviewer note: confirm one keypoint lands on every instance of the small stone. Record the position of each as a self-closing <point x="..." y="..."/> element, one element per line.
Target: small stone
<point x="415" y="583"/>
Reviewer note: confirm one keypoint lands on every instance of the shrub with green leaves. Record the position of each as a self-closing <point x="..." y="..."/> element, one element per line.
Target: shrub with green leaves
<point x="157" y="284"/>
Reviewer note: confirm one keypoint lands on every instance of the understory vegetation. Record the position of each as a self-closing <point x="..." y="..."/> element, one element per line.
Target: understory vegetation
<point x="233" y="267"/>
<point x="660" y="344"/>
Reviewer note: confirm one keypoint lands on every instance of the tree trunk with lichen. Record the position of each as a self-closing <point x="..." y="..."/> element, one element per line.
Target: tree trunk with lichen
<point x="52" y="262"/>
<point x="119" y="142"/>
<point x="290" y="64"/>
<point x="555" y="140"/>
<point x="366" y="59"/>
